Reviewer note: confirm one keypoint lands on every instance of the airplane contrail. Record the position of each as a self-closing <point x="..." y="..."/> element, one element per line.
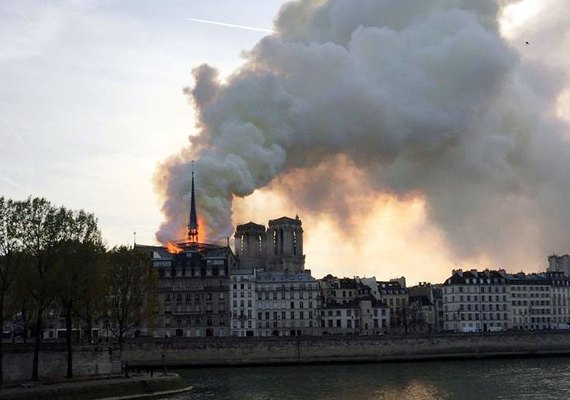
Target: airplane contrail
<point x="11" y="129"/>
<point x="249" y="28"/>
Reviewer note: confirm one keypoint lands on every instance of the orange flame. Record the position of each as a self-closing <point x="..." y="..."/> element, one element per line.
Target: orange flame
<point x="202" y="229"/>
<point x="173" y="248"/>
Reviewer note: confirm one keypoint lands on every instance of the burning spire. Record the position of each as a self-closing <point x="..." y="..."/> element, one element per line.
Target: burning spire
<point x="193" y="223"/>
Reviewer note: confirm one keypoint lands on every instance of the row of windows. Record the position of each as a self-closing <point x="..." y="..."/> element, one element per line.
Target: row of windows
<point x="241" y="303"/>
<point x="525" y="311"/>
<point x="242" y="286"/>
<point x="349" y="312"/>
<point x="542" y="295"/>
<point x="543" y="288"/>
<point x="487" y="298"/>
<point x="188" y="296"/>
<point x="275" y="315"/>
<point x="292" y="287"/>
<point x="285" y="295"/>
<point x="194" y="320"/>
<point x="470" y="316"/>
<point x="481" y="289"/>
<point x="283" y="304"/>
<point x="193" y="272"/>
<point x="285" y="324"/>
<point x="531" y="303"/>
<point x="532" y="320"/>
<point x="196" y="308"/>
<point x="475" y="307"/>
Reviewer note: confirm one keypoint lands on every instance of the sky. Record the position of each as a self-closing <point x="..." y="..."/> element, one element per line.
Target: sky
<point x="91" y="102"/>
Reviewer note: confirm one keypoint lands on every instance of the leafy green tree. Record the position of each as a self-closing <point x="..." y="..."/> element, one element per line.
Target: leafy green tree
<point x="132" y="289"/>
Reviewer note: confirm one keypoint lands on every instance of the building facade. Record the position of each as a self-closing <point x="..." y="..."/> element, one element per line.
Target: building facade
<point x="490" y="301"/>
<point x="559" y="264"/>
<point x="194" y="291"/>
<point x="350" y="308"/>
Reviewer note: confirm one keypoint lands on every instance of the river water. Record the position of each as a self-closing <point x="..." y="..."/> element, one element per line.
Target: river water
<point x="516" y="379"/>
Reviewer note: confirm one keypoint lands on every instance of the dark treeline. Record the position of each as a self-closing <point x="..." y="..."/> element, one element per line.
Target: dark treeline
<point x="53" y="260"/>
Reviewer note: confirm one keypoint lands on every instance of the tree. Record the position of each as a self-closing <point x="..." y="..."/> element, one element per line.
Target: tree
<point x="52" y="239"/>
<point x="93" y="289"/>
<point x="42" y="230"/>
<point x="11" y="256"/>
<point x="79" y="251"/>
<point x="132" y="289"/>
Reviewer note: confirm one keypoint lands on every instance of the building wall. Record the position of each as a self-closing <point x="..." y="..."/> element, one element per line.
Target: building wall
<point x="193" y="298"/>
<point x="494" y="300"/>
<point x="87" y="361"/>
<point x="287" y="304"/>
<point x="559" y="264"/>
<point x="230" y="351"/>
<point x="243" y="300"/>
<point x="477" y="308"/>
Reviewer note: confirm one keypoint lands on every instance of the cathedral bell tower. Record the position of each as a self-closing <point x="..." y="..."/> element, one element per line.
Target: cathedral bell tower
<point x="285" y="245"/>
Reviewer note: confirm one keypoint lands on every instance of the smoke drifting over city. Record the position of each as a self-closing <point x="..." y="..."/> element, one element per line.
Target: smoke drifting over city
<point x="423" y="98"/>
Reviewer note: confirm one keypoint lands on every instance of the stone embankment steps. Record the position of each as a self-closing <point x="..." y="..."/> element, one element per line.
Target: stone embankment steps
<point x="136" y="387"/>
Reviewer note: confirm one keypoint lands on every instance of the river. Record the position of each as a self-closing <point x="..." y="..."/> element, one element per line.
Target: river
<point x="516" y="379"/>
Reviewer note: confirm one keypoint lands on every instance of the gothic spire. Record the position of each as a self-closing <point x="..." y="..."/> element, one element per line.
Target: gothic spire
<point x="193" y="223"/>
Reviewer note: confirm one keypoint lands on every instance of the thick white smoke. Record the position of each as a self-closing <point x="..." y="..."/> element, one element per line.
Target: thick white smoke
<point x="425" y="97"/>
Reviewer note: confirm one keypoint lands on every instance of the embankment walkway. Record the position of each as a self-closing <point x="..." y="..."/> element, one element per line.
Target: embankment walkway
<point x="136" y="387"/>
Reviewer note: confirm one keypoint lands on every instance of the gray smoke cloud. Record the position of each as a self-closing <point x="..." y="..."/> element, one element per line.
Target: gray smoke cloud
<point x="423" y="97"/>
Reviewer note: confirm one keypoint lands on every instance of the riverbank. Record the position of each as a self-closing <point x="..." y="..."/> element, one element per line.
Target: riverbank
<point x="182" y="352"/>
<point x="135" y="387"/>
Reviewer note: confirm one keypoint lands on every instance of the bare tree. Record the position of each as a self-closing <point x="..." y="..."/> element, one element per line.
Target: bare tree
<point x="47" y="233"/>
<point x="11" y="256"/>
<point x="132" y="289"/>
<point x="79" y="250"/>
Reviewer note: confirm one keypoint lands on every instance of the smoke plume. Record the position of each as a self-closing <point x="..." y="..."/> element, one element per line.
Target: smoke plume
<point x="422" y="97"/>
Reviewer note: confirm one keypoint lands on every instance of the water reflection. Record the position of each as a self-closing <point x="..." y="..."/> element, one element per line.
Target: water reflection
<point x="546" y="378"/>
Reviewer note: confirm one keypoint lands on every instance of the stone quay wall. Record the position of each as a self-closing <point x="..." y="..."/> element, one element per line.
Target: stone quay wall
<point x="178" y="352"/>
<point x="88" y="361"/>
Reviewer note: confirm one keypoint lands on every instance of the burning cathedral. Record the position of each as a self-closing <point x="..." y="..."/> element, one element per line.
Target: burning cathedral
<point x="261" y="289"/>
